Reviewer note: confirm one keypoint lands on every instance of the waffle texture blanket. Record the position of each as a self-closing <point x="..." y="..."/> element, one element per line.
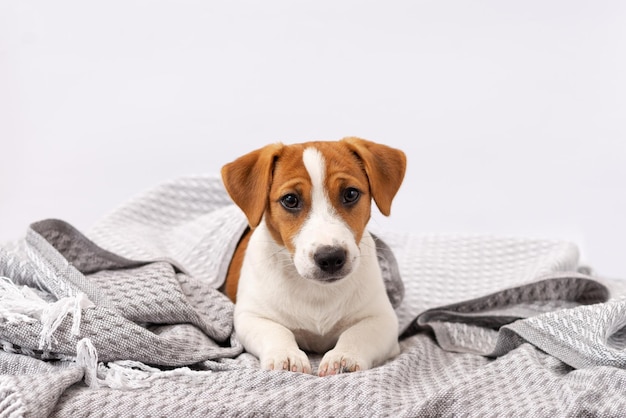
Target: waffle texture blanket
<point x="127" y="321"/>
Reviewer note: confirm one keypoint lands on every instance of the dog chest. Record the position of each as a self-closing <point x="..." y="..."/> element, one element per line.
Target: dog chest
<point x="313" y="341"/>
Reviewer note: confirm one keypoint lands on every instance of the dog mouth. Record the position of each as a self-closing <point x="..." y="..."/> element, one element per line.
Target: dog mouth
<point x="322" y="278"/>
<point x="325" y="277"/>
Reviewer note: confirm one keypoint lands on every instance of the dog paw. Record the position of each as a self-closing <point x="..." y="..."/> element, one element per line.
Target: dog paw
<point x="335" y="362"/>
<point x="294" y="360"/>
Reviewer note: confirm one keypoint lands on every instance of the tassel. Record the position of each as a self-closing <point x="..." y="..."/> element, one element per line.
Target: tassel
<point x="87" y="358"/>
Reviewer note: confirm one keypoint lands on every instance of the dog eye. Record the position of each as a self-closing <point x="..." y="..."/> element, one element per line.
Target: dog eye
<point x="350" y="195"/>
<point x="290" y="201"/>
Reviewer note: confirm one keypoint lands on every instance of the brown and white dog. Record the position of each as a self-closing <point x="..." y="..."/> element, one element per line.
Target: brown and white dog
<point x="306" y="276"/>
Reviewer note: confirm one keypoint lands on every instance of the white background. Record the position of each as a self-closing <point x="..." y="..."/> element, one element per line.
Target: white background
<point x="512" y="113"/>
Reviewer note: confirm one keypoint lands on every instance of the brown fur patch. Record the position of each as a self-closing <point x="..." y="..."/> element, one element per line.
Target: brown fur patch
<point x="289" y="176"/>
<point x="343" y="171"/>
<point x="234" y="268"/>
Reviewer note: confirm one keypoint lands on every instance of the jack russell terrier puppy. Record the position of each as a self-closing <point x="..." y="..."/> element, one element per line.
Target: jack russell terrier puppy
<point x="306" y="276"/>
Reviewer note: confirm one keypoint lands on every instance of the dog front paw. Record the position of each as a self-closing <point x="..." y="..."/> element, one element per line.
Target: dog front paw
<point x="294" y="360"/>
<point x="337" y="361"/>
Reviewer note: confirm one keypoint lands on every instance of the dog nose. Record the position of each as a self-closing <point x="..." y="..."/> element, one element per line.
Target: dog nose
<point x="329" y="258"/>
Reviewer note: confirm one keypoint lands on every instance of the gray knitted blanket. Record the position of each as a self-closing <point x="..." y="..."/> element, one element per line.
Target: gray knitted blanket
<point x="129" y="322"/>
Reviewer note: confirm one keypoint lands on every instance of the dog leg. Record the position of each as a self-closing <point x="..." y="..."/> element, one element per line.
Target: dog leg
<point x="272" y="343"/>
<point x="362" y="346"/>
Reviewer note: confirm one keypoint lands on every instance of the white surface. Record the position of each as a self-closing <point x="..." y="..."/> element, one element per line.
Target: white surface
<point x="512" y="114"/>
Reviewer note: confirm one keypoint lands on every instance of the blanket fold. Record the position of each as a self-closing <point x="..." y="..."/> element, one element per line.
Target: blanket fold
<point x="132" y="304"/>
<point x="128" y="320"/>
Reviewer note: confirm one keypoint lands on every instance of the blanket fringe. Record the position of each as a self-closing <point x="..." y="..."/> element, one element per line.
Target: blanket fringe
<point x="121" y="374"/>
<point x="18" y="304"/>
<point x="22" y="304"/>
<point x="124" y="375"/>
<point x="87" y="358"/>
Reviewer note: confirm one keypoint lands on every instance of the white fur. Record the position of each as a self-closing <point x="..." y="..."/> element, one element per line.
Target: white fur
<point x="282" y="310"/>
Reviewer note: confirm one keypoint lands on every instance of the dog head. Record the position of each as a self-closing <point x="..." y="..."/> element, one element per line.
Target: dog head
<point x="315" y="198"/>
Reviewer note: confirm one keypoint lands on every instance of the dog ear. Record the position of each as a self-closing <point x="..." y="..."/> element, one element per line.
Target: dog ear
<point x="248" y="179"/>
<point x="385" y="168"/>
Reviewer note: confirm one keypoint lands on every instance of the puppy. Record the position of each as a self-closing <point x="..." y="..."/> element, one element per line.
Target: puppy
<point x="306" y="276"/>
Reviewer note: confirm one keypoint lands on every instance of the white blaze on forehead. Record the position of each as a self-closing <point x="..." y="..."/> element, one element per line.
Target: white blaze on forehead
<point x="324" y="226"/>
<point x="316" y="167"/>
